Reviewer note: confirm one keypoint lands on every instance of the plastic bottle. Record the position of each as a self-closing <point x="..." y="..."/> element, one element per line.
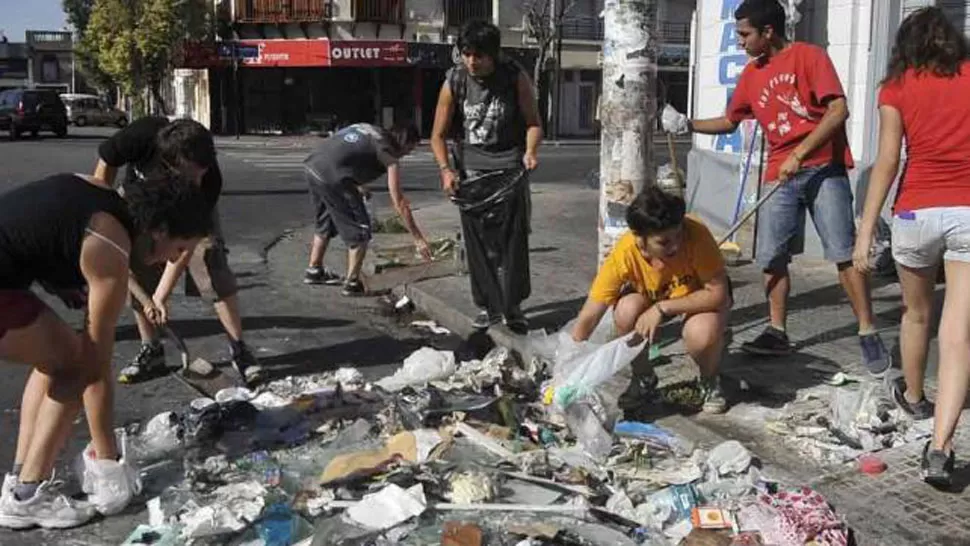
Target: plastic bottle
<point x="276" y="526"/>
<point x="588" y="430"/>
<point x="461" y="261"/>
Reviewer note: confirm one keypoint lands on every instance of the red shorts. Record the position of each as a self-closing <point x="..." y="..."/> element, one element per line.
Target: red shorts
<point x="18" y="309"/>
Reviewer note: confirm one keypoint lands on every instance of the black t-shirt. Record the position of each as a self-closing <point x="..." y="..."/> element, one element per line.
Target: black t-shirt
<point x="134" y="146"/>
<point x="42" y="227"/>
<point x="493" y="125"/>
<point x="361" y="152"/>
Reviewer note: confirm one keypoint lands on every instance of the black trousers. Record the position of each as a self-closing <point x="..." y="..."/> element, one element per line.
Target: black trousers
<point x="497" y="251"/>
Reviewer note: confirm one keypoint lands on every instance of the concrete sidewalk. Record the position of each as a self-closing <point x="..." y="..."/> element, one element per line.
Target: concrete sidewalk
<point x="821" y="324"/>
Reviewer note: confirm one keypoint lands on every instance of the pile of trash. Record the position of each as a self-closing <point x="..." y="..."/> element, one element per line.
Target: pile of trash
<point x="509" y="449"/>
<point x="848" y="418"/>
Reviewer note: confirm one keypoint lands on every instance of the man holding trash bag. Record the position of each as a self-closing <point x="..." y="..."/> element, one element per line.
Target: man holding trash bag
<point x="667" y="265"/>
<point x="489" y="101"/>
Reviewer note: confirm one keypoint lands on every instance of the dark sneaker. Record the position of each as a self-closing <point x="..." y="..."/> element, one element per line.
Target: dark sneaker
<point x="771" y="342"/>
<point x="353" y="289"/>
<point x="245" y="362"/>
<point x="875" y="357"/>
<point x="321" y="275"/>
<point x="486" y="320"/>
<point x="147" y="364"/>
<point x="517" y="322"/>
<point x="920" y="411"/>
<point x="713" y="396"/>
<point x="937" y="467"/>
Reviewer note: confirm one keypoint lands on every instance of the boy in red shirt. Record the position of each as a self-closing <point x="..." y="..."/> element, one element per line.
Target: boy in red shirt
<point x="793" y="91"/>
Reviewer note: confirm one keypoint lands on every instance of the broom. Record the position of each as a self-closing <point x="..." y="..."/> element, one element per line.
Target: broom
<point x="730" y="248"/>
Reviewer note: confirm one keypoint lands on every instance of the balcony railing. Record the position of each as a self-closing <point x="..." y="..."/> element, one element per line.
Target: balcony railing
<point x="674" y="33"/>
<point x="581" y="27"/>
<point x="379" y="11"/>
<point x="282" y="11"/>
<point x="461" y="11"/>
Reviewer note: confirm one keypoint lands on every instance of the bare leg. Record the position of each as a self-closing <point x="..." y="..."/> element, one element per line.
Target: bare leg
<point x="355" y="261"/>
<point x="318" y="248"/>
<point x="627" y="311"/>
<point x="954" y="374"/>
<point x="227" y="309"/>
<point x="914" y="330"/>
<point x="50" y="401"/>
<point x="777" y="287"/>
<point x="856" y="286"/>
<point x="704" y="339"/>
<point x="146" y="330"/>
<point x="34" y="391"/>
<point x="99" y="409"/>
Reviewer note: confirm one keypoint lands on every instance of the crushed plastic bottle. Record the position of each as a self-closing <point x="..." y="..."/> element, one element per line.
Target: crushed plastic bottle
<point x="276" y="525"/>
<point x="588" y="429"/>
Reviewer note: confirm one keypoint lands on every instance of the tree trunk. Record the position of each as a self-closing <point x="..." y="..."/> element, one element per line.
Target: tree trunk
<point x="156" y="91"/>
<point x="627" y="110"/>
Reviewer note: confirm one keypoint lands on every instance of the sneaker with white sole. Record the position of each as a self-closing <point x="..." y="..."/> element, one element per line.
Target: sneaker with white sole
<point x="47" y="508"/>
<point x="9" y="483"/>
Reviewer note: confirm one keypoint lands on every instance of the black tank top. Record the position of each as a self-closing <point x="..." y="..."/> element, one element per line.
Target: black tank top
<point x="42" y="226"/>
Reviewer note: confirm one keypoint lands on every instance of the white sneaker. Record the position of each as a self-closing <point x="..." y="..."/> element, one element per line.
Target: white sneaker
<point x="9" y="482"/>
<point x="46" y="508"/>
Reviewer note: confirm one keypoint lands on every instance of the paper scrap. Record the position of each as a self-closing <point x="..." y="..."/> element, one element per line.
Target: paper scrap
<point x="156" y="516"/>
<point x="389" y="507"/>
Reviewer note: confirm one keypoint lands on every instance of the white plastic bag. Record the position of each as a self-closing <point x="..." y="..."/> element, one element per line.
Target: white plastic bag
<point x="593" y="366"/>
<point x="110" y="485"/>
<point x="423" y="366"/>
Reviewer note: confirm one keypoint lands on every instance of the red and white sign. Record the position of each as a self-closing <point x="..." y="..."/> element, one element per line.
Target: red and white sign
<point x="288" y="53"/>
<point x="368" y="53"/>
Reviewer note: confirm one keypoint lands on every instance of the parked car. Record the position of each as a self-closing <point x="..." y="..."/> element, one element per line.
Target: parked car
<point x="32" y="111"/>
<point x="91" y="110"/>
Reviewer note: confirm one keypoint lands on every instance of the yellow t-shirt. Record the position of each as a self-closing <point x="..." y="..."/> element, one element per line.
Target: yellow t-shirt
<point x="698" y="261"/>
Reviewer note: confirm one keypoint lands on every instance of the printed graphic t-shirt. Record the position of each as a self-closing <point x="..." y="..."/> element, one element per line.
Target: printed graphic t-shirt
<point x="787" y="94"/>
<point x="698" y="261"/>
<point x="361" y="152"/>
<point x="936" y="120"/>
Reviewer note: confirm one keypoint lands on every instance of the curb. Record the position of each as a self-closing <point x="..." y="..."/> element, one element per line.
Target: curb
<point x="451" y="318"/>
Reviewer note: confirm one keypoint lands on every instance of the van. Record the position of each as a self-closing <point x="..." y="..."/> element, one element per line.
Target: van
<point x="32" y="111"/>
<point x="91" y="110"/>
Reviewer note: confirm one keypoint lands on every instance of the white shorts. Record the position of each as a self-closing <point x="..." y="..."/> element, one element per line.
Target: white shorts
<point x="923" y="237"/>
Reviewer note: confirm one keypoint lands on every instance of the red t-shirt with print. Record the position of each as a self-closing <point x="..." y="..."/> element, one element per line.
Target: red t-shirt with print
<point x="787" y="94"/>
<point x="936" y="122"/>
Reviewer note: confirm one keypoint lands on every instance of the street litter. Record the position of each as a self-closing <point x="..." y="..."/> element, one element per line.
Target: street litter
<point x="431" y="326"/>
<point x="507" y="449"/>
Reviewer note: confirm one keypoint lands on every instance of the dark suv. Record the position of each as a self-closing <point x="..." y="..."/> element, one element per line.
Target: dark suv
<point x="32" y="111"/>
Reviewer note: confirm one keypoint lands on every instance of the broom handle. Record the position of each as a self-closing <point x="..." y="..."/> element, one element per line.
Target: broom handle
<point x="749" y="214"/>
<point x="761" y="172"/>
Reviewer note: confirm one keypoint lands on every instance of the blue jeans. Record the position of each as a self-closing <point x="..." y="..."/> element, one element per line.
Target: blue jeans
<point x="825" y="193"/>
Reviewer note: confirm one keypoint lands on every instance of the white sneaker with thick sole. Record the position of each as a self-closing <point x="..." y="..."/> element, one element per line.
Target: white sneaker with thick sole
<point x="47" y="508"/>
<point x="9" y="482"/>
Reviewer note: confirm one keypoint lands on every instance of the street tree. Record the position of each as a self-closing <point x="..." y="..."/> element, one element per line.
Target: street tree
<point x="543" y="25"/>
<point x="137" y="41"/>
<point x="78" y="14"/>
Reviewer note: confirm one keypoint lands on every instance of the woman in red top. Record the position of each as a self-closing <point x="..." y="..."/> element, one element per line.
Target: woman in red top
<point x="925" y="98"/>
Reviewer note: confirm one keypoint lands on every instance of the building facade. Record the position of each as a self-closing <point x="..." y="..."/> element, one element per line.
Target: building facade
<point x="309" y="65"/>
<point x="52" y="60"/>
<point x="14" y="65"/>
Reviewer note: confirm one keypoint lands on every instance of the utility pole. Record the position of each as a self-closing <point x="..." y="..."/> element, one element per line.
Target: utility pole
<point x="627" y="110"/>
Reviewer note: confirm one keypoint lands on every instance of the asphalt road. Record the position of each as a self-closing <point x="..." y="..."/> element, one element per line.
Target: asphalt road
<point x="294" y="329"/>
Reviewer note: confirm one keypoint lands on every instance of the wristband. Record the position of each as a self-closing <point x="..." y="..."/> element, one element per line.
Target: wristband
<point x="660" y="310"/>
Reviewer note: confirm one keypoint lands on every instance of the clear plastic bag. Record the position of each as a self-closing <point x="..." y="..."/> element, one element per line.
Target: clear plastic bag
<point x="593" y="366"/>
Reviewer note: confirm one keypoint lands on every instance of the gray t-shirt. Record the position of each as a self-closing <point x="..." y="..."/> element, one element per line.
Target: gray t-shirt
<point x="492" y="124"/>
<point x="361" y="152"/>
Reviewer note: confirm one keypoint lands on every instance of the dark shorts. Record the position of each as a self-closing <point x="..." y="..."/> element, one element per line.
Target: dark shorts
<point x="339" y="209"/>
<point x="18" y="309"/>
<point x="209" y="273"/>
